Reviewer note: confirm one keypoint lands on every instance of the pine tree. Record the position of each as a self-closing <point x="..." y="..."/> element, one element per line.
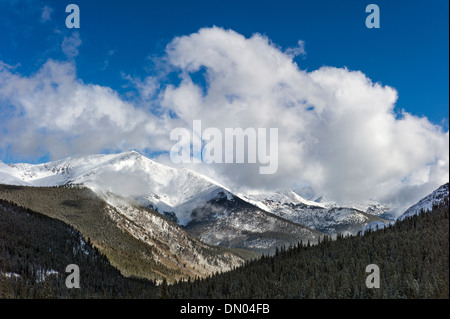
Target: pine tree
<point x="47" y="290"/>
<point x="4" y="289"/>
<point x="164" y="293"/>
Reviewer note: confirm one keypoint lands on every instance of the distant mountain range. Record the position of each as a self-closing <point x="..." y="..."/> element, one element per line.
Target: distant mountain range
<point x="203" y="207"/>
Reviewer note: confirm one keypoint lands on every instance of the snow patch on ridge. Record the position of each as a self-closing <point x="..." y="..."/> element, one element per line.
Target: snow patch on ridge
<point x="426" y="203"/>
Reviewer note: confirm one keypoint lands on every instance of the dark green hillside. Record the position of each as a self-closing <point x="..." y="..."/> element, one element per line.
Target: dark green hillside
<point x="148" y="246"/>
<point x="35" y="250"/>
<point x="412" y="255"/>
<point x="83" y="210"/>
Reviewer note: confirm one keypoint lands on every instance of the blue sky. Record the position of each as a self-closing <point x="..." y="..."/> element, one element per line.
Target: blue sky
<point x="368" y="106"/>
<point x="409" y="51"/>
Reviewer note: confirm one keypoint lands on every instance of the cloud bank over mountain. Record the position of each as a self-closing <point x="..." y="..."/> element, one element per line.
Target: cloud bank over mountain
<point x="338" y="131"/>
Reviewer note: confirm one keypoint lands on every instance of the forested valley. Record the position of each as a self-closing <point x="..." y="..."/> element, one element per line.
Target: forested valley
<point x="412" y="255"/>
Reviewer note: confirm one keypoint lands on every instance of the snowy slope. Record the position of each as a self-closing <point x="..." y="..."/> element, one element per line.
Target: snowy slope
<point x="327" y="217"/>
<point x="368" y="206"/>
<point x="206" y="208"/>
<point x="268" y="201"/>
<point x="129" y="174"/>
<point x="169" y="248"/>
<point x="374" y="226"/>
<point x="233" y="222"/>
<point x="427" y="202"/>
<point x="290" y="197"/>
<point x="9" y="175"/>
<point x="172" y="244"/>
<point x="190" y="198"/>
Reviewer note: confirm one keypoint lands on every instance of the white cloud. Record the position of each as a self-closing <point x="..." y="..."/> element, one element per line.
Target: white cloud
<point x="337" y="129"/>
<point x="70" y="45"/>
<point x="57" y="113"/>
<point x="299" y="50"/>
<point x="109" y="54"/>
<point x="46" y="14"/>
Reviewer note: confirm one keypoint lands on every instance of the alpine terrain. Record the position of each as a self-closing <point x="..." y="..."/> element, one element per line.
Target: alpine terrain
<point x="153" y="221"/>
<point x="203" y="207"/>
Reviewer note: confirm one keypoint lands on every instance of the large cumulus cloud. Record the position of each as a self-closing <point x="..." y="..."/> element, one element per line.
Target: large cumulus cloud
<point x="337" y="129"/>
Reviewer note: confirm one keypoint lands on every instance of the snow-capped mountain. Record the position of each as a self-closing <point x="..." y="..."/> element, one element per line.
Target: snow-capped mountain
<point x="326" y="217"/>
<point x="128" y="174"/>
<point x="436" y="197"/>
<point x="10" y="175"/>
<point x="126" y="232"/>
<point x="233" y="222"/>
<point x="426" y="203"/>
<point x="368" y="206"/>
<point x="207" y="209"/>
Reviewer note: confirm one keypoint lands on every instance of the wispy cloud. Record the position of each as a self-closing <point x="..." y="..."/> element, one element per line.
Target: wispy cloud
<point x="56" y="113"/>
<point x="299" y="50"/>
<point x="109" y="54"/>
<point x="70" y="45"/>
<point x="46" y="14"/>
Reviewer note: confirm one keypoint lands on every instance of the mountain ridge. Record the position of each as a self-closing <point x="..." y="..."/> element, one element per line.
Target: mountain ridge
<point x="161" y="207"/>
<point x="181" y="194"/>
<point x="436" y="197"/>
<point x="178" y="193"/>
<point x="136" y="240"/>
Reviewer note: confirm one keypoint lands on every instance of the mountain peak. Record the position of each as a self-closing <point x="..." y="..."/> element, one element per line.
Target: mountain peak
<point x="129" y="154"/>
<point x="426" y="203"/>
<point x="133" y="153"/>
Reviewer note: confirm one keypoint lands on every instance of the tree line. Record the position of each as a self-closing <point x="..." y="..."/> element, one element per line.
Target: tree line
<point x="35" y="251"/>
<point x="412" y="255"/>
